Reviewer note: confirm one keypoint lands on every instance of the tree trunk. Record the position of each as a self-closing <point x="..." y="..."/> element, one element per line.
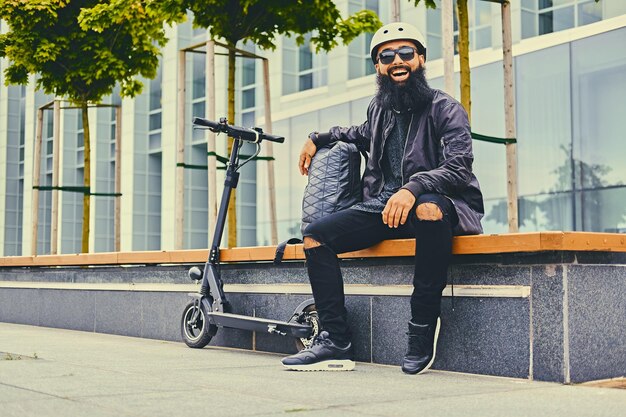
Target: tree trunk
<point x="509" y="119"/>
<point x="463" y="18"/>
<point x="87" y="179"/>
<point x="36" y="182"/>
<point x="232" y="207"/>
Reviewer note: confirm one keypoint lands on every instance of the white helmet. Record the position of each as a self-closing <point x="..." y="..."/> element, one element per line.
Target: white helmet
<point x="394" y="32"/>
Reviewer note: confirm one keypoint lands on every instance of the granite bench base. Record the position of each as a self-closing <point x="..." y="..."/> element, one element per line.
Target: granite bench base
<point x="555" y="316"/>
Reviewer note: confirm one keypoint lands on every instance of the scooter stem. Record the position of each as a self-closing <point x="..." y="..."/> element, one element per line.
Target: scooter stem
<point x="230" y="183"/>
<point x="211" y="280"/>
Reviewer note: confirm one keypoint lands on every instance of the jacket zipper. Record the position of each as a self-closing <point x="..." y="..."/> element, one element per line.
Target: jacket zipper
<point x="382" y="174"/>
<point x="406" y="141"/>
<point x="443" y="149"/>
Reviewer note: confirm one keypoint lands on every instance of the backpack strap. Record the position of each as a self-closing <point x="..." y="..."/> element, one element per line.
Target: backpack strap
<point x="280" y="249"/>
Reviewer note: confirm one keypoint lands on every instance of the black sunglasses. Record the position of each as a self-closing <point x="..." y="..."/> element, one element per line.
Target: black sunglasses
<point x="387" y="56"/>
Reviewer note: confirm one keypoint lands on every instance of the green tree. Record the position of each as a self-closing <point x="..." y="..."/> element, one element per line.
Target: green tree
<point x="80" y="49"/>
<point x="462" y="14"/>
<point x="260" y="21"/>
<point x="463" y="48"/>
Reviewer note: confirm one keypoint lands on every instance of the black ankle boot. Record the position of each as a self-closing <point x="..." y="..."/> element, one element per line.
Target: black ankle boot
<point x="422" y="347"/>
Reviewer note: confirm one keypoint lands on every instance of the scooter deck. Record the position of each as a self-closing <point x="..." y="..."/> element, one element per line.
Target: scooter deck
<point x="236" y="321"/>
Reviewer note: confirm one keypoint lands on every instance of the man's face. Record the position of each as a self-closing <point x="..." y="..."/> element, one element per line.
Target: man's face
<point x="398" y="70"/>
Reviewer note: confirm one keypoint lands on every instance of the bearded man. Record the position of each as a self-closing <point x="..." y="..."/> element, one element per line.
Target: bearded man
<point x="418" y="183"/>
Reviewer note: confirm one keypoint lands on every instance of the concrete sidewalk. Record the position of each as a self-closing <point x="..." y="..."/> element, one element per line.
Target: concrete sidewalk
<point x="53" y="372"/>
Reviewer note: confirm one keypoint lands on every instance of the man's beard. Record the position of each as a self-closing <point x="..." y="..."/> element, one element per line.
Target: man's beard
<point x="413" y="95"/>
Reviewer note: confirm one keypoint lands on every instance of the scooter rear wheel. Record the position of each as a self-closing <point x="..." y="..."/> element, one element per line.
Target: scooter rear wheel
<point x="199" y="332"/>
<point x="307" y="316"/>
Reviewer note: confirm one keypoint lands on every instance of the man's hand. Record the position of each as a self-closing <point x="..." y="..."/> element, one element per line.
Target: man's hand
<point x="308" y="150"/>
<point x="398" y="208"/>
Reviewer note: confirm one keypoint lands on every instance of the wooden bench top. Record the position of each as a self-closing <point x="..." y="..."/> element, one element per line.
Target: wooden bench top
<point x="462" y="245"/>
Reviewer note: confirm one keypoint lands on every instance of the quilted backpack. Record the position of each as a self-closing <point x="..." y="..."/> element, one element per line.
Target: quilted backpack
<point x="334" y="182"/>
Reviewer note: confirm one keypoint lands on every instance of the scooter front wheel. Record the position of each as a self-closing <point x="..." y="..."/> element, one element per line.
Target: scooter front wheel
<point x="195" y="329"/>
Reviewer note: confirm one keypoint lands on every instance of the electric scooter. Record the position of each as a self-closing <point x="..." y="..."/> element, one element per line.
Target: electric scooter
<point x="209" y="309"/>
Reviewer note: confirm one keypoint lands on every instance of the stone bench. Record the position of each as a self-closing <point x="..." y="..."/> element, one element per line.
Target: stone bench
<point x="546" y="305"/>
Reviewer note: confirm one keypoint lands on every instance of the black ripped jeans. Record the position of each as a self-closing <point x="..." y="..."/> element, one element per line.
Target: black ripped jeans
<point x="351" y="230"/>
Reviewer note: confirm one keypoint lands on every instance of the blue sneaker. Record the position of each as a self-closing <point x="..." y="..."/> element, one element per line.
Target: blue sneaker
<point x="322" y="355"/>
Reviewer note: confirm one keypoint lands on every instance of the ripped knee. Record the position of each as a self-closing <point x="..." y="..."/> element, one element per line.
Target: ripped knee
<point x="309" y="243"/>
<point x="429" y="211"/>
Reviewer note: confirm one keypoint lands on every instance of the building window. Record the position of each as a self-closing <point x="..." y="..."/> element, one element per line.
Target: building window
<point x="148" y="161"/>
<point x="246" y="191"/>
<point x="45" y="179"/>
<point x="480" y="22"/>
<point x="248" y="88"/>
<point x="155" y="113"/>
<point x="302" y="68"/>
<point x="73" y="174"/>
<point x="196" y="180"/>
<point x="359" y="60"/>
<point x="153" y="180"/>
<point x="546" y="16"/>
<point x="14" y="197"/>
<point x="105" y="178"/>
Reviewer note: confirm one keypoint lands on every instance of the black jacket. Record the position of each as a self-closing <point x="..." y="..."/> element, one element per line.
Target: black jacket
<point x="437" y="156"/>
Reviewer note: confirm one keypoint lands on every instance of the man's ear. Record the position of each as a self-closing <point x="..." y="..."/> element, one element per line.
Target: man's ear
<point x="377" y="68"/>
<point x="422" y="60"/>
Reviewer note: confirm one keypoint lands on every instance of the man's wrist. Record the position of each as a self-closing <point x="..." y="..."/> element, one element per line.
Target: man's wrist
<point x="414" y="188"/>
<point x="320" y="139"/>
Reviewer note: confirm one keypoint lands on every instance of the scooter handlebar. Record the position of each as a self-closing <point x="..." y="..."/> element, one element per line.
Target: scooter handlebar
<point x="249" y="135"/>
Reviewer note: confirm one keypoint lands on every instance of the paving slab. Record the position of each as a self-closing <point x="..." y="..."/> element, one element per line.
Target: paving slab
<point x="56" y="372"/>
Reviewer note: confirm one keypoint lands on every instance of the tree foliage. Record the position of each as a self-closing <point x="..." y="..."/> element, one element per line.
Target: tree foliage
<point x="80" y="49"/>
<point x="462" y="12"/>
<point x="260" y="22"/>
<point x="463" y="48"/>
<point x="428" y="3"/>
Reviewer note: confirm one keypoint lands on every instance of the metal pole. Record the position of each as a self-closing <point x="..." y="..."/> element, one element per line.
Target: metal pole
<point x="118" y="178"/>
<point x="269" y="152"/>
<point x="210" y="147"/>
<point x="509" y="118"/>
<point x="180" y="155"/>
<point x="56" y="138"/>
<point x="395" y="11"/>
<point x="448" y="45"/>
<point x="36" y="173"/>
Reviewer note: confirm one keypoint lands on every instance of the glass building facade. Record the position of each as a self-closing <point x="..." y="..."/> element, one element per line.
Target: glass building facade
<point x="570" y="77"/>
<point x="571" y="174"/>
